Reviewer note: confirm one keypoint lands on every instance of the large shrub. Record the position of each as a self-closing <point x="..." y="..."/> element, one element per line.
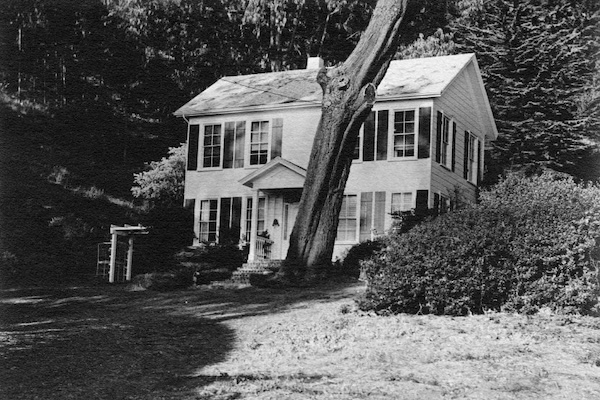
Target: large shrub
<point x="162" y="182"/>
<point x="530" y="243"/>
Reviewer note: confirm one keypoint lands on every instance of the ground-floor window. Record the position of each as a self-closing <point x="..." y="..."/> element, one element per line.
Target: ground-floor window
<point x="230" y="220"/>
<point x="347" y="219"/>
<point x="441" y="203"/>
<point x="401" y="202"/>
<point x="208" y="221"/>
<point x="372" y="215"/>
<point x="260" y="223"/>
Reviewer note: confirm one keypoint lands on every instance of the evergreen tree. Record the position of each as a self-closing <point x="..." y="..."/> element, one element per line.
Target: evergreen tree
<point x="537" y="59"/>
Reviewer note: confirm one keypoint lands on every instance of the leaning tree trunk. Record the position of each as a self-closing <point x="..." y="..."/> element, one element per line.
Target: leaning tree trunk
<point x="348" y="96"/>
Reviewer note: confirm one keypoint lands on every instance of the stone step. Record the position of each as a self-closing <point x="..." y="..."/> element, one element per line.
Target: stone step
<point x="261" y="267"/>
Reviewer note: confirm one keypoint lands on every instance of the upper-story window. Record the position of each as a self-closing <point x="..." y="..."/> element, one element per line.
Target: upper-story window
<point x="224" y="144"/>
<point x="446" y="140"/>
<point x="404" y="134"/>
<point x="233" y="144"/>
<point x="395" y="135"/>
<point x="471" y="168"/>
<point x="259" y="142"/>
<point x="212" y="146"/>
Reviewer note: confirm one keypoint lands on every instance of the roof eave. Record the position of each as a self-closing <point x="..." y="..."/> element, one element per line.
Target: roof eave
<point x="238" y="110"/>
<point x="295" y="105"/>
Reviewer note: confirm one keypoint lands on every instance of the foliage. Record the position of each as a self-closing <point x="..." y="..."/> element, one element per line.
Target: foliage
<point x="214" y="256"/>
<point x="357" y="253"/>
<point x="171" y="229"/>
<point x="436" y="45"/>
<point x="531" y="243"/>
<point x="538" y="60"/>
<point x="162" y="182"/>
<point x="290" y="29"/>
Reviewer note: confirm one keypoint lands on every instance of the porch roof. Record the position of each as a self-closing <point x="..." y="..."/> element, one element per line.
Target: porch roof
<point x="278" y="173"/>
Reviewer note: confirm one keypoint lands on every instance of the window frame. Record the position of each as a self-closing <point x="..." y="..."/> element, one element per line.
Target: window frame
<point x="444" y="205"/>
<point x="346" y="220"/>
<point x="248" y="216"/>
<point x="202" y="154"/>
<point x="268" y="142"/>
<point x="472" y="164"/>
<point x="392" y="133"/>
<point x="208" y="222"/>
<point x="446" y="141"/>
<point x="411" y="203"/>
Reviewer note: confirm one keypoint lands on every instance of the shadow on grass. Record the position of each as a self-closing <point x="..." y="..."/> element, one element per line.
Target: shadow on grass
<point x="221" y="305"/>
<point x="109" y="343"/>
<point x="101" y="344"/>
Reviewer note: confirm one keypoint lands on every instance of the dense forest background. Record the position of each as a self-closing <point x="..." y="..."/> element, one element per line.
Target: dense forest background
<point x="87" y="89"/>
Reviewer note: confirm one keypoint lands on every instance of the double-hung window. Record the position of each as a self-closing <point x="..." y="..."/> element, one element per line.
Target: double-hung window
<point x="208" y="221"/>
<point x="212" y="146"/>
<point x="347" y="219"/>
<point x="471" y="157"/>
<point x="401" y="202"/>
<point x="445" y="142"/>
<point x="233" y="144"/>
<point x="259" y="142"/>
<point x="261" y="213"/>
<point x="404" y="134"/>
<point x="395" y="135"/>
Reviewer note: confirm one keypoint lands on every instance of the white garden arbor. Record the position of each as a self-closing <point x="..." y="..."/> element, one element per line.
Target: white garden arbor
<point x="128" y="232"/>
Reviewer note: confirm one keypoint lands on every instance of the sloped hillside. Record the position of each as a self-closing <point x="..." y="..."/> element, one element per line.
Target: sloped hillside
<point x="64" y="181"/>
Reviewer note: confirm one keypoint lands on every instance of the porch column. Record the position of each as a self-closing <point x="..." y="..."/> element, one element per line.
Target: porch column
<point x="113" y="256"/>
<point x="253" y="225"/>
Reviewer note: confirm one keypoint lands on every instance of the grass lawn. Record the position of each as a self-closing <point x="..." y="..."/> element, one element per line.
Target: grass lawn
<point x="106" y="342"/>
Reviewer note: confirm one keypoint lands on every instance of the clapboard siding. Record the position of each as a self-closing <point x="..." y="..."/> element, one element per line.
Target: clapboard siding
<point x="458" y="103"/>
<point x="378" y="178"/>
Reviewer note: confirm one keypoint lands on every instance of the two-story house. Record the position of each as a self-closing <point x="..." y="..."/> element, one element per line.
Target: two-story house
<point x="250" y="137"/>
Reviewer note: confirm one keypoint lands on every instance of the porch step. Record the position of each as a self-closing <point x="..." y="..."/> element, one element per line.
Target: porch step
<point x="262" y="267"/>
<point x="269" y="265"/>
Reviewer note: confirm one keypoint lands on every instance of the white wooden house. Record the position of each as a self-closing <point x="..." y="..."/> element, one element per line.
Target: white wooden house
<point x="250" y="137"/>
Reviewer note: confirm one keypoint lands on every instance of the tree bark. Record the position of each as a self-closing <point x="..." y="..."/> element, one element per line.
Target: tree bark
<point x="348" y="96"/>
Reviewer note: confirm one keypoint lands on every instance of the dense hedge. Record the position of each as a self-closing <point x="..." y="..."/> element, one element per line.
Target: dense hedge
<point x="530" y="243"/>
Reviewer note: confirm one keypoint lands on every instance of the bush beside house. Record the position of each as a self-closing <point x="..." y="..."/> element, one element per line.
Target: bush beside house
<point x="531" y="243"/>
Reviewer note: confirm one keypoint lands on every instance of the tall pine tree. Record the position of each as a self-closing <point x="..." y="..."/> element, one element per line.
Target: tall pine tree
<point x="538" y="60"/>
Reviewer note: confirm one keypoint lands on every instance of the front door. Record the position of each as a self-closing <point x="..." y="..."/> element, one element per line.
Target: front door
<point x="290" y="210"/>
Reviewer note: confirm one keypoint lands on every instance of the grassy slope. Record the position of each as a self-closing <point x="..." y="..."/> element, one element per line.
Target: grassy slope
<point x="61" y="180"/>
<point x="108" y="343"/>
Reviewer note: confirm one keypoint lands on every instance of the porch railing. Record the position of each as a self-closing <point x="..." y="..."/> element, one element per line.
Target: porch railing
<point x="263" y="248"/>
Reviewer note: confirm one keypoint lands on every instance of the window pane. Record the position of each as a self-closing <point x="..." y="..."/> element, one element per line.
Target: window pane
<point x="259" y="142"/>
<point x="347" y="220"/>
<point x="404" y="137"/>
<point x="212" y="146"/>
<point x="208" y="221"/>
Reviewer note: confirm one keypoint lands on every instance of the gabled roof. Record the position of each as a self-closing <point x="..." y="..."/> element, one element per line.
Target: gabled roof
<point x="278" y="173"/>
<point x="415" y="78"/>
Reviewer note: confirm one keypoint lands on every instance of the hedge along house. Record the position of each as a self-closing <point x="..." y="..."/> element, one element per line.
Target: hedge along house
<point x="250" y="138"/>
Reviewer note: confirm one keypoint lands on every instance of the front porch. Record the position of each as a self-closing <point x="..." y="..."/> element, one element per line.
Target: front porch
<point x="279" y="184"/>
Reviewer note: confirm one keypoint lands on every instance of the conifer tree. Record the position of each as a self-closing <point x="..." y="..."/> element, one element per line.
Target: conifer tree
<point x="537" y="59"/>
